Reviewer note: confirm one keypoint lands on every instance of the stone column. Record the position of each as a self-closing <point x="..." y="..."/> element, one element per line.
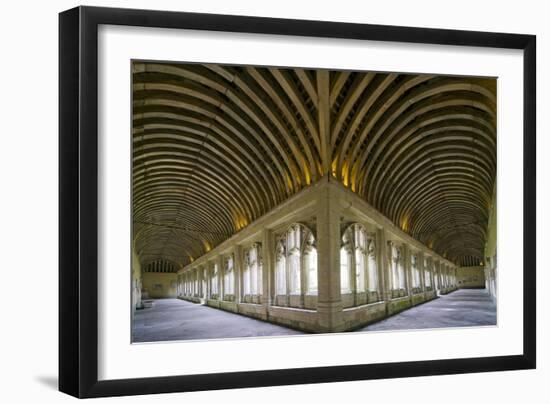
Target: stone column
<point x="202" y="289"/>
<point x="408" y="269"/>
<point x="383" y="265"/>
<point x="421" y="270"/>
<point x="221" y="277"/>
<point x="431" y="273"/>
<point x="198" y="283"/>
<point x="268" y="262"/>
<point x="329" y="303"/>
<point x="438" y="275"/>
<point x="455" y="283"/>
<point x="353" y="275"/>
<point x="237" y="268"/>
<point x="209" y="271"/>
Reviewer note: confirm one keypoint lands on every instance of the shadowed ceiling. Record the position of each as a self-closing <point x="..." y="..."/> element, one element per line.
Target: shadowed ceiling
<point x="215" y="147"/>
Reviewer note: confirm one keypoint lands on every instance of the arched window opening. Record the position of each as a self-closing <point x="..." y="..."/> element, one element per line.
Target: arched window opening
<point x="344" y="270"/>
<point x="229" y="277"/>
<point x="372" y="266"/>
<point x="294" y="266"/>
<point x="311" y="265"/>
<point x="294" y="256"/>
<point x="358" y="266"/>
<point x="401" y="268"/>
<point x="296" y="262"/>
<point x="360" y="243"/>
<point x="427" y="275"/>
<point x="394" y="260"/>
<point x="214" y="280"/>
<point x="252" y="268"/>
<point x="280" y="268"/>
<point x="415" y="271"/>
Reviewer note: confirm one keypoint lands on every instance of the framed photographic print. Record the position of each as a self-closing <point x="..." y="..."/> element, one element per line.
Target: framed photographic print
<point x="250" y="201"/>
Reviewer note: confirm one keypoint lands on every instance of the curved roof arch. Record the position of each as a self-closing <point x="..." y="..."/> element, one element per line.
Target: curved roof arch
<point x="215" y="147"/>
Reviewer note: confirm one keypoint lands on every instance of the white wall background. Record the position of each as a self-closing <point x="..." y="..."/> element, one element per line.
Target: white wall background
<point x="28" y="175"/>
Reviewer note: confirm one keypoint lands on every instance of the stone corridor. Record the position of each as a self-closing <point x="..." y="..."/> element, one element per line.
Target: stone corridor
<point x="462" y="308"/>
<point x="174" y="319"/>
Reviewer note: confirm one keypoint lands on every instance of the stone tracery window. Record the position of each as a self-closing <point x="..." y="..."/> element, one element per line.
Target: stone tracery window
<point x="229" y="276"/>
<point x="401" y="268"/>
<point x="394" y="258"/>
<point x="252" y="270"/>
<point x="397" y="267"/>
<point x="310" y="254"/>
<point x="358" y="259"/>
<point x="372" y="266"/>
<point x="427" y="275"/>
<point x="415" y="271"/>
<point x="360" y="241"/>
<point x="280" y="268"/>
<point x="293" y="248"/>
<point x="295" y="257"/>
<point x="345" y="268"/>
<point x="214" y="280"/>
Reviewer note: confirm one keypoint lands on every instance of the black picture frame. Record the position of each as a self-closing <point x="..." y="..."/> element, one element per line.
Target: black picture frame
<point x="78" y="200"/>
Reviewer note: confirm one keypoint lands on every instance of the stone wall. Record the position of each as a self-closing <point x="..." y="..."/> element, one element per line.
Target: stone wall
<point x="471" y="277"/>
<point x="159" y="285"/>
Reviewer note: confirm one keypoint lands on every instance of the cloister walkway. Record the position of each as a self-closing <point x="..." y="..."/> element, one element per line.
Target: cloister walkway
<point x="462" y="308"/>
<point x="174" y="319"/>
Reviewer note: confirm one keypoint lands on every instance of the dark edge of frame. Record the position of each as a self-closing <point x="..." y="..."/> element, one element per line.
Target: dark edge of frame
<point x="78" y="203"/>
<point x="529" y="201"/>
<point x="68" y="202"/>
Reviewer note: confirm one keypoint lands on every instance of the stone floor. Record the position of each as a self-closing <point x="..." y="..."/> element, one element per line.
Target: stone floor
<point x="173" y="319"/>
<point x="462" y="308"/>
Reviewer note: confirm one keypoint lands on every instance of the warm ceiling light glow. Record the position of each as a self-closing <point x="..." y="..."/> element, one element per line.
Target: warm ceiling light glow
<point x="289" y="182"/>
<point x="240" y="223"/>
<point x="405" y="223"/>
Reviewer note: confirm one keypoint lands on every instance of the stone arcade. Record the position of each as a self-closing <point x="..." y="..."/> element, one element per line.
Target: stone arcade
<point x="288" y="268"/>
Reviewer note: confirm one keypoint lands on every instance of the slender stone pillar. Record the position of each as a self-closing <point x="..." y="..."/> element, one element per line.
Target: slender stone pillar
<point x="383" y="265"/>
<point x="438" y="276"/>
<point x="199" y="282"/>
<point x="238" y="269"/>
<point x="353" y="275"/>
<point x="268" y="262"/>
<point x="197" y="290"/>
<point x="221" y="277"/>
<point x="202" y="282"/>
<point x="408" y="269"/>
<point x="329" y="304"/>
<point x="209" y="272"/>
<point x="432" y="273"/>
<point x="421" y="270"/>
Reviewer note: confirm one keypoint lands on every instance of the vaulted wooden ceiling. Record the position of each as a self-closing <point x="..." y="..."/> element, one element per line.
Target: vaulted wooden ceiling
<point x="215" y="147"/>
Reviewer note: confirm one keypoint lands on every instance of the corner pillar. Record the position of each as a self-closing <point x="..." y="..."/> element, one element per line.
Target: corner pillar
<point x="267" y="267"/>
<point x="329" y="299"/>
